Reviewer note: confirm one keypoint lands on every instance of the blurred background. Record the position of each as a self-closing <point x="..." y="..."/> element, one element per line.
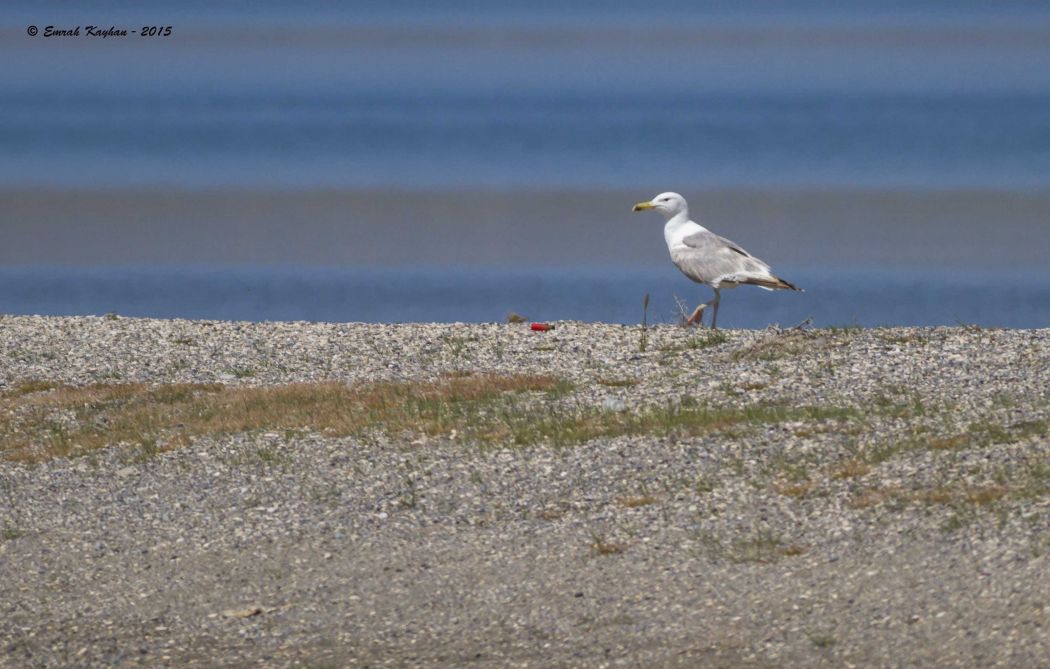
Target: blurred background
<point x="358" y="161"/>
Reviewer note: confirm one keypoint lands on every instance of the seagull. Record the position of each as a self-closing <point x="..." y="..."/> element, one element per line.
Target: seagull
<point x="707" y="258"/>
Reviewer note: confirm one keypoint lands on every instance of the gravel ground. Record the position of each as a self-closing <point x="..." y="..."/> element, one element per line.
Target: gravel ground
<point x="914" y="531"/>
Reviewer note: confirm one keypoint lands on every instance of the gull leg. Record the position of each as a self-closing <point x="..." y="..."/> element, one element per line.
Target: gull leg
<point x="714" y="303"/>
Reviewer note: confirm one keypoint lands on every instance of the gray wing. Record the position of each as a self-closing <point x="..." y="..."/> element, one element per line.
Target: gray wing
<point x="714" y="260"/>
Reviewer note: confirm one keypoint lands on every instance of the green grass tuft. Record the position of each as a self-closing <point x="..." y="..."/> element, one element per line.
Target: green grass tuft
<point x="707" y="339"/>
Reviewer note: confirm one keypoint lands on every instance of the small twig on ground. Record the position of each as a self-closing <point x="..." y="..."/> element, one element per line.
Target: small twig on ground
<point x="801" y="327"/>
<point x="643" y="343"/>
<point x="683" y="311"/>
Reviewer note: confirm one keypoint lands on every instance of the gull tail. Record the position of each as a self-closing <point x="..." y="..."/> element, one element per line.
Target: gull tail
<point x="773" y="283"/>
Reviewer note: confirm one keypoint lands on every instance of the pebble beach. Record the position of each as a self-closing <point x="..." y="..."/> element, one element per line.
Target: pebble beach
<point x="590" y="496"/>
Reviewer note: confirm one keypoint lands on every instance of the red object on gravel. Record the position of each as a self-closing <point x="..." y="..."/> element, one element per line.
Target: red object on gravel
<point x="541" y="327"/>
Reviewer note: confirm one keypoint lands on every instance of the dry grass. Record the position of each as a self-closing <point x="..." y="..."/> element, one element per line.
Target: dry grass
<point x="753" y="385"/>
<point x="38" y="422"/>
<point x="602" y="545"/>
<point x="979" y="434"/>
<point x="762" y="547"/>
<point x="948" y="443"/>
<point x="850" y="469"/>
<point x="957" y="495"/>
<point x="988" y="433"/>
<point x="986" y="494"/>
<point x="796" y="490"/>
<point x="781" y="345"/>
<point x="27" y="387"/>
<point x="635" y="501"/>
<point x="9" y="533"/>
<point x="872" y="497"/>
<point x="563" y="428"/>
<point x="893" y="337"/>
<point x="618" y="383"/>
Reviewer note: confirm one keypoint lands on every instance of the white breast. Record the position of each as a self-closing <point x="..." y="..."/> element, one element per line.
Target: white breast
<point x="676" y="230"/>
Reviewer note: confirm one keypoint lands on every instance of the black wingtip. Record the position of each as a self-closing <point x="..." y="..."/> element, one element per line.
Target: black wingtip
<point x="790" y="285"/>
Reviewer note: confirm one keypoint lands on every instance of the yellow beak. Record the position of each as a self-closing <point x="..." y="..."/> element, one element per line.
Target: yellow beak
<point x="642" y="206"/>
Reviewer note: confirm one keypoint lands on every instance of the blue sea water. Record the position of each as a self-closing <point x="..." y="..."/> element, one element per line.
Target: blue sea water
<point x="530" y="96"/>
<point x="814" y="96"/>
<point x="838" y="298"/>
<point x="452" y="141"/>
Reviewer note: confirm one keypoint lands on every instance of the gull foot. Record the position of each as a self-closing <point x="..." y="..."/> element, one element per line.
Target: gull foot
<point x="698" y="313"/>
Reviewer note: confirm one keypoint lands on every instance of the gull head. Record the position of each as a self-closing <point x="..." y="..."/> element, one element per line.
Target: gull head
<point x="668" y="204"/>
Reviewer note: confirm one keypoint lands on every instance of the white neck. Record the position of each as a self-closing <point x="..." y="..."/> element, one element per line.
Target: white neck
<point x="678" y="228"/>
